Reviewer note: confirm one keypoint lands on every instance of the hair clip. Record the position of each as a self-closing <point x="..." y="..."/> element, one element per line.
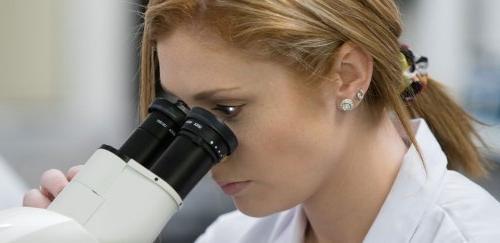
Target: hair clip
<point x="414" y="73"/>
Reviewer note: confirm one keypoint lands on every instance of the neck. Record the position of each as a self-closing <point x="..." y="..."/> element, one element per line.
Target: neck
<point x="346" y="205"/>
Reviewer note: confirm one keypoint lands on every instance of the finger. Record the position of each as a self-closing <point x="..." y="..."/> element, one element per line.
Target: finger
<point x="35" y="198"/>
<point x="54" y="181"/>
<point x="46" y="193"/>
<point x="72" y="172"/>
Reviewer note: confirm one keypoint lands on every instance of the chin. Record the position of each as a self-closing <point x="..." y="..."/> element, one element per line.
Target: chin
<point x="259" y="208"/>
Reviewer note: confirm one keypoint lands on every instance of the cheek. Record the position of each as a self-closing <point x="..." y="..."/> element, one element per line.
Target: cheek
<point x="291" y="143"/>
<point x="295" y="154"/>
<point x="287" y="159"/>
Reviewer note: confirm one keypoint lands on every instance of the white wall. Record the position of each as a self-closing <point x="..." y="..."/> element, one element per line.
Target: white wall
<point x="65" y="81"/>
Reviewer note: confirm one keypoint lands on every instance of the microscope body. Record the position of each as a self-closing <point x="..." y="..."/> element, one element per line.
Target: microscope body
<point x="109" y="200"/>
<point x="128" y="195"/>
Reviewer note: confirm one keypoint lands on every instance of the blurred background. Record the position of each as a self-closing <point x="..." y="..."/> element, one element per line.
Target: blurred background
<point x="69" y="83"/>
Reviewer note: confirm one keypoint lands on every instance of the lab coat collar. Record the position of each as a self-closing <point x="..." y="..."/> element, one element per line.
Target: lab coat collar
<point x="415" y="188"/>
<point x="291" y="227"/>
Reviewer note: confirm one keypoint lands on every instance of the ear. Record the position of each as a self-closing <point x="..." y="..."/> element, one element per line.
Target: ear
<point x="352" y="70"/>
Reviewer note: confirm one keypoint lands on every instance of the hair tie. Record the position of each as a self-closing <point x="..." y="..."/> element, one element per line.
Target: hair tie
<point x="414" y="73"/>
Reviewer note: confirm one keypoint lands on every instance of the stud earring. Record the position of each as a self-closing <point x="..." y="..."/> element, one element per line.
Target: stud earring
<point x="360" y="94"/>
<point x="346" y="105"/>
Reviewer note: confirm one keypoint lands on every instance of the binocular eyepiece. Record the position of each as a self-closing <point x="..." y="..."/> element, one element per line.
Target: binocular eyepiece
<point x="179" y="144"/>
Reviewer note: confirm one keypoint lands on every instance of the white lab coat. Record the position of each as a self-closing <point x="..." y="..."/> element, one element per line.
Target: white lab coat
<point x="430" y="204"/>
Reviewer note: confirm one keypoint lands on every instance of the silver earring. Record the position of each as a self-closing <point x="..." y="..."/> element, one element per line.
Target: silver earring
<point x="346" y="105"/>
<point x="360" y="94"/>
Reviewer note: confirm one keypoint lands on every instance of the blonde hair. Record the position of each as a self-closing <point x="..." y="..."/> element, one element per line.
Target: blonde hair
<point x="305" y="35"/>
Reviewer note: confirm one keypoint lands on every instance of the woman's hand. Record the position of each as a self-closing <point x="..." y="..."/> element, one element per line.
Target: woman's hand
<point x="51" y="183"/>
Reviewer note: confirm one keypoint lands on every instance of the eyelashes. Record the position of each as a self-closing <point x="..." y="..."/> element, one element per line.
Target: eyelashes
<point x="228" y="111"/>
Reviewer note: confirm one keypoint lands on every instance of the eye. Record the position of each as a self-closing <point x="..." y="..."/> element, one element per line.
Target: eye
<point x="228" y="111"/>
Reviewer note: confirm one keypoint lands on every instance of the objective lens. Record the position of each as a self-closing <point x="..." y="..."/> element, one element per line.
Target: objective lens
<point x="202" y="142"/>
<point x="156" y="132"/>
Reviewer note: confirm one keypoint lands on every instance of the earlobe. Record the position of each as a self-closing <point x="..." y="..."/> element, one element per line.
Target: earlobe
<point x="348" y="104"/>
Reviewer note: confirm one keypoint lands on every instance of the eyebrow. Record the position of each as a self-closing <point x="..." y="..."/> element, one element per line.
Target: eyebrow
<point x="205" y="95"/>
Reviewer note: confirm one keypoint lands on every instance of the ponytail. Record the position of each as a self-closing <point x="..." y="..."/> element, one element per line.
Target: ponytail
<point x="453" y="128"/>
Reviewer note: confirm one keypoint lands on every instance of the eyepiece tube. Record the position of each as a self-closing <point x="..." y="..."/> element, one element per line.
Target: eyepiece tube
<point x="202" y="142"/>
<point x="156" y="132"/>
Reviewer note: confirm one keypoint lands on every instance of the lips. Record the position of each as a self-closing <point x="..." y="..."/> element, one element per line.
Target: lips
<point x="233" y="188"/>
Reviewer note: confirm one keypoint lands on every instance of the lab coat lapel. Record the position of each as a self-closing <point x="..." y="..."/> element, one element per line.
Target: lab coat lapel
<point x="290" y="228"/>
<point x="415" y="188"/>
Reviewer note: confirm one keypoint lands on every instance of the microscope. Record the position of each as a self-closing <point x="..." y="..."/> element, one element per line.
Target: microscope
<point x="128" y="195"/>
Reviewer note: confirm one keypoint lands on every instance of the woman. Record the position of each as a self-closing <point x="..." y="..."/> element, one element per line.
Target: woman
<point x="342" y="135"/>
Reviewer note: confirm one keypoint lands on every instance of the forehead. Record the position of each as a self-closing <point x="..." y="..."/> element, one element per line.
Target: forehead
<point x="195" y="61"/>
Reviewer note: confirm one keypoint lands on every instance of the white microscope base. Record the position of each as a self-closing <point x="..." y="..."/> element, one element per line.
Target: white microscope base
<point x="35" y="225"/>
